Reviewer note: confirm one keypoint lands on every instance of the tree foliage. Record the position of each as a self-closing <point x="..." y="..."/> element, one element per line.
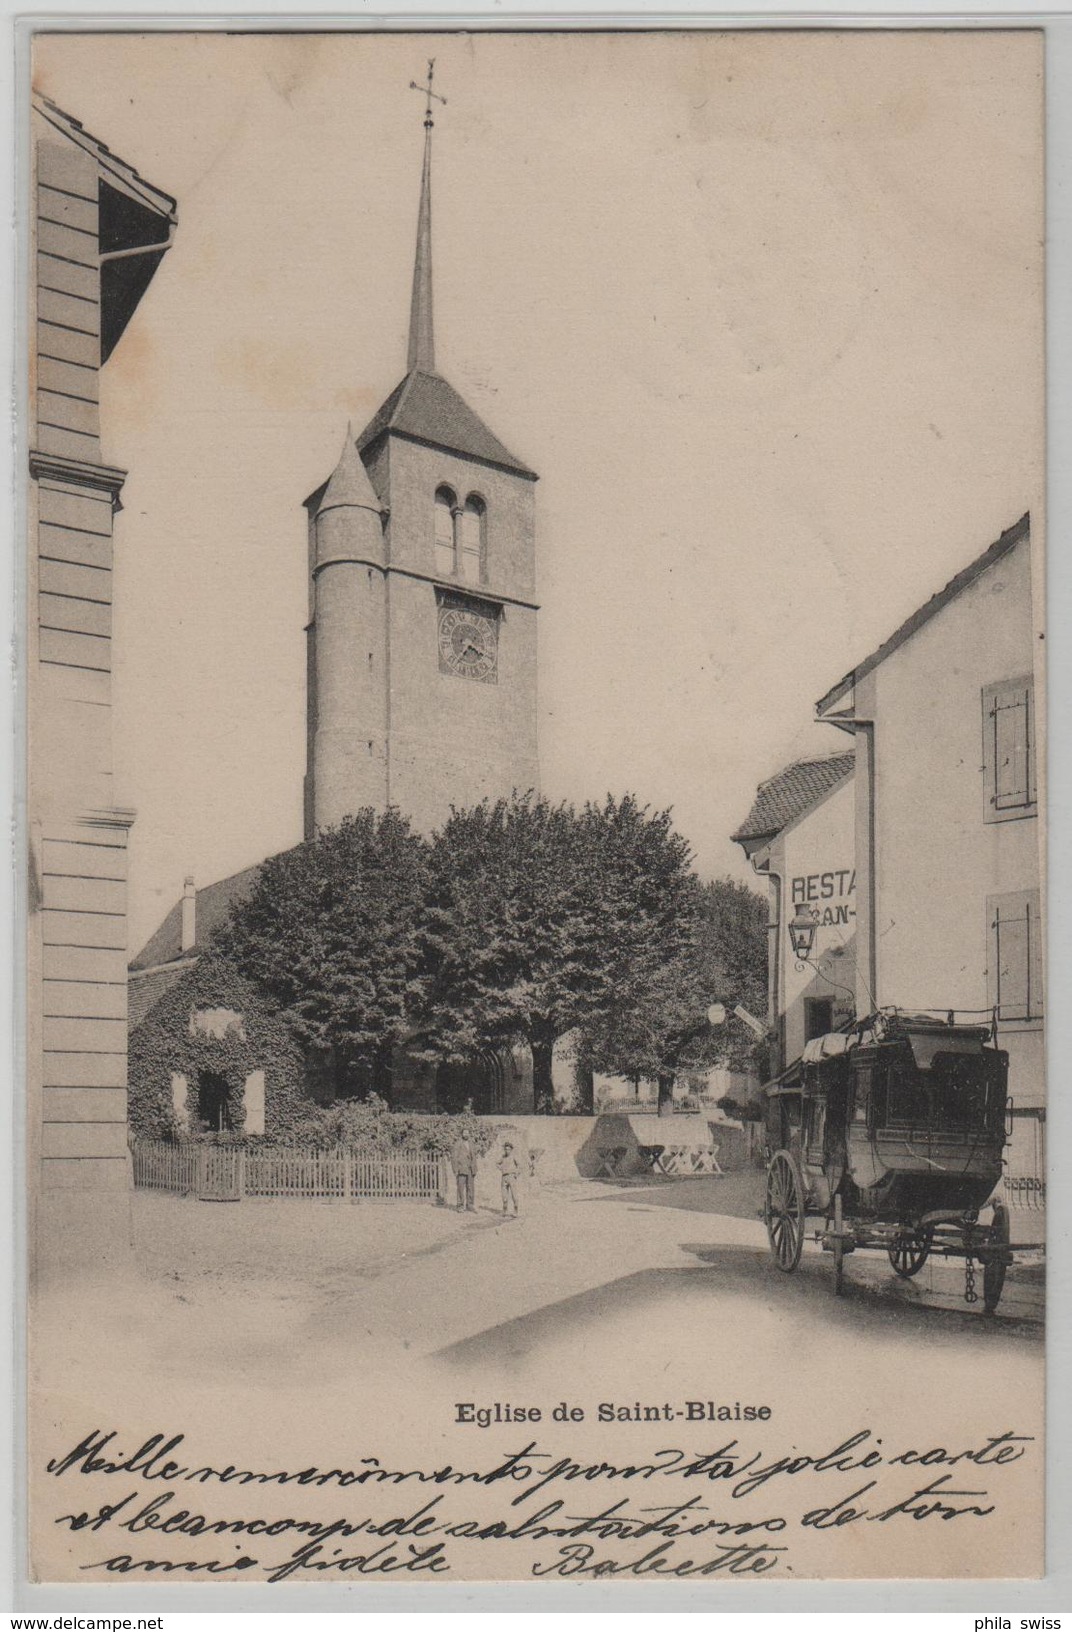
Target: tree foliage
<point x="519" y="922"/>
<point x="330" y="935"/>
<point x="542" y="918"/>
<point x="665" y="1030"/>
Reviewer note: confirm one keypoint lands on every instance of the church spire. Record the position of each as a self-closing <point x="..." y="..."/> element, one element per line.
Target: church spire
<point x="421" y="356"/>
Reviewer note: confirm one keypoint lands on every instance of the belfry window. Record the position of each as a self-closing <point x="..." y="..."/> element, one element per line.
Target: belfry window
<point x="446" y="562"/>
<point x="474" y="540"/>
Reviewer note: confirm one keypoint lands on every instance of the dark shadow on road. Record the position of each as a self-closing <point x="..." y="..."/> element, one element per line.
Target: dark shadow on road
<point x="662" y="1297"/>
<point x="873" y="1294"/>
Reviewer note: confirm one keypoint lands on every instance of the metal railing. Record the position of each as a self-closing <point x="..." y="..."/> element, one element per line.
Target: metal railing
<point x="1024" y="1179"/>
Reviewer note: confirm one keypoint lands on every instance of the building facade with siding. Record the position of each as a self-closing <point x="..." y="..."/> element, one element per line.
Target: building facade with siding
<point x="99" y="234"/>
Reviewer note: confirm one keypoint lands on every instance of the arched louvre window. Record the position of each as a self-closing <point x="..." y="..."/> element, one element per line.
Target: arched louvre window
<point x="474" y="540"/>
<point x="445" y="555"/>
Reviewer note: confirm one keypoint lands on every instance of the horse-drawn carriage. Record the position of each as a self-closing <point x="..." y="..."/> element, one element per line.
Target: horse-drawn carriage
<point x="890" y="1134"/>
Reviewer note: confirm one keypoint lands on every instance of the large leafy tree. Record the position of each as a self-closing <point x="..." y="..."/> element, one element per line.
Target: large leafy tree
<point x="733" y="951"/>
<point x="666" y="1030"/>
<point x="542" y="919"/>
<point x="330" y="935"/>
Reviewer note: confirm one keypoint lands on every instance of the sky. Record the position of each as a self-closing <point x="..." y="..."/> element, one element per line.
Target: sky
<point x="762" y="309"/>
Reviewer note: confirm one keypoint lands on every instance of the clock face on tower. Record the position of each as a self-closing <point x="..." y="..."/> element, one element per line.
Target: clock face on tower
<point x="468" y="641"/>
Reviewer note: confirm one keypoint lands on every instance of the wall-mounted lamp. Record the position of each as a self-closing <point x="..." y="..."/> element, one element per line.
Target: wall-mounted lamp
<point x="802" y="927"/>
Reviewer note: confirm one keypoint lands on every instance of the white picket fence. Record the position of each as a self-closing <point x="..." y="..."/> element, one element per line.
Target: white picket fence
<point x="228" y="1173"/>
<point x="158" y="1166"/>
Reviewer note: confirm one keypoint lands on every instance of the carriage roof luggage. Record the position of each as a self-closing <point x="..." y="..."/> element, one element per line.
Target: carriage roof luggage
<point x="927" y="1035"/>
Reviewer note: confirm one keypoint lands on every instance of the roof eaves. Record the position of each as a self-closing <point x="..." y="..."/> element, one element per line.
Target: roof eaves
<point x="787" y="803"/>
<point x="963" y="580"/>
<point x="120" y="172"/>
<point x="515" y="467"/>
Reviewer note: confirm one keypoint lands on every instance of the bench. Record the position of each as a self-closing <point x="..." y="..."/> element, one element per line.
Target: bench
<point x="651" y="1154"/>
<point x="689" y="1159"/>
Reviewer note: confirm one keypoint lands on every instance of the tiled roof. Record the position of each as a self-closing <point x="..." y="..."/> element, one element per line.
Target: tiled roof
<point x="213" y="904"/>
<point x="1001" y="546"/>
<point x="425" y="407"/>
<point x="784" y="797"/>
<point x="144" y="991"/>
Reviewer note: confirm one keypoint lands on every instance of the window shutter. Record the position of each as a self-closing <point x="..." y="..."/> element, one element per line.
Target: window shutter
<point x="1009" y="749"/>
<point x="1015" y="958"/>
<point x="1036" y="958"/>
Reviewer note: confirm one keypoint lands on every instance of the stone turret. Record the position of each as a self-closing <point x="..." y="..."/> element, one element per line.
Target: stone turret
<point x="347" y="762"/>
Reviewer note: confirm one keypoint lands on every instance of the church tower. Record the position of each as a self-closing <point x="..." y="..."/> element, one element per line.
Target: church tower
<point x="422" y="631"/>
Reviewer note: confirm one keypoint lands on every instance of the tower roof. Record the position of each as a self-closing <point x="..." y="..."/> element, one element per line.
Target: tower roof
<point x="421" y="326"/>
<point x="423" y="405"/>
<point x="427" y="408"/>
<point x="349" y="482"/>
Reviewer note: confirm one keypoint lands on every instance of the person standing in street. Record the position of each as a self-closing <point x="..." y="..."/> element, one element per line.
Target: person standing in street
<point x="463" y="1161"/>
<point x="510" y="1171"/>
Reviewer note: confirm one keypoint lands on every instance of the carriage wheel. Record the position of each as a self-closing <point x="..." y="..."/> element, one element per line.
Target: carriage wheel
<point x="995" y="1267"/>
<point x="783" y="1211"/>
<point x="909" y="1252"/>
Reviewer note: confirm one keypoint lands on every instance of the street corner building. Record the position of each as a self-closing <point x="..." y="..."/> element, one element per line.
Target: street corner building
<point x="421" y="695"/>
<point x="907" y="873"/>
<point x="800" y="837"/>
<point x="99" y="234"/>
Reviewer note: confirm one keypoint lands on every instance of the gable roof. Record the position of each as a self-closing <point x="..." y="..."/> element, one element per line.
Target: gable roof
<point x="425" y="407"/>
<point x="135" y="225"/>
<point x="782" y="798"/>
<point x="211" y="908"/>
<point x="121" y="174"/>
<point x="1009" y="539"/>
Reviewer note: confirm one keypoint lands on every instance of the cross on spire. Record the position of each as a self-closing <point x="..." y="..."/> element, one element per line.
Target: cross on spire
<point x="429" y="95"/>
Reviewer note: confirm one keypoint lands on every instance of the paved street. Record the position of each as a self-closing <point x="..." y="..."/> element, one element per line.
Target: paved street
<point x="279" y="1332"/>
<point x="263" y="1281"/>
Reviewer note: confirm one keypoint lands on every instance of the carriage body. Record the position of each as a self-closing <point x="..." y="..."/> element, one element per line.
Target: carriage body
<point x="893" y="1132"/>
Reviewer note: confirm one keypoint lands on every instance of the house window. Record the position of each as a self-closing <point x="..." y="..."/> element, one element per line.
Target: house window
<point x="446" y="561"/>
<point x="1014" y="955"/>
<point x="473" y="540"/>
<point x="1009" y="750"/>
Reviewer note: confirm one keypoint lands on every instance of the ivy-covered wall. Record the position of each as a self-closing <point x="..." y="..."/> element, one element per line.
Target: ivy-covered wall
<point x="165" y="1043"/>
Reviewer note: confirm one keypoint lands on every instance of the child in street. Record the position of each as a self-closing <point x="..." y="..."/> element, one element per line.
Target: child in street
<point x="509" y="1169"/>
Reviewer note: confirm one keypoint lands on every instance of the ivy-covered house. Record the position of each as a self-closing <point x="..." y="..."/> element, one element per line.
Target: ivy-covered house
<point x="207" y="1052"/>
<point x="209" y="1056"/>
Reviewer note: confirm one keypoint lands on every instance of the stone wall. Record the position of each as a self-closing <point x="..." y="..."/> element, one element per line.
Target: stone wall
<point x="569" y="1146"/>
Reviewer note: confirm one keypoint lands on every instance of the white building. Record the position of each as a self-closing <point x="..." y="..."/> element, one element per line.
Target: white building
<point x="947" y="840"/>
<point x="799" y="837"/>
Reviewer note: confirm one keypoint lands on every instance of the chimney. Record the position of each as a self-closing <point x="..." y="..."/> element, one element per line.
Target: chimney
<point x="189" y="914"/>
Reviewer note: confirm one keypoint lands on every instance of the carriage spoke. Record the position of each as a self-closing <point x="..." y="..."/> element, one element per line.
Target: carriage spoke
<point x="784" y="1211"/>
